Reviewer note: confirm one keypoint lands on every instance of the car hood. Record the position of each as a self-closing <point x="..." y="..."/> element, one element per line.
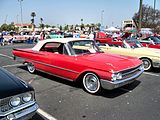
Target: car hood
<point x="112" y="62"/>
<point x="11" y="85"/>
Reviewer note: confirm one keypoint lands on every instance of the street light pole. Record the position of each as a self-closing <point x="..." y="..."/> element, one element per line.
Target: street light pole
<point x="140" y="15"/>
<point x="102" y="17"/>
<point x="20" y="2"/>
<point x="154" y="5"/>
<point x="154" y="9"/>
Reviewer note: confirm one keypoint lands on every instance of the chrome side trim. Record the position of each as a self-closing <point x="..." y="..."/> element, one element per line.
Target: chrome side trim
<point x="55" y="66"/>
<point x="49" y="65"/>
<point x="55" y="75"/>
<point x="106" y="84"/>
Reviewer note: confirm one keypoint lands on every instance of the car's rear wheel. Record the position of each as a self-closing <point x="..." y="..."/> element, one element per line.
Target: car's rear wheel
<point x="91" y="83"/>
<point x="147" y="64"/>
<point x="31" y="68"/>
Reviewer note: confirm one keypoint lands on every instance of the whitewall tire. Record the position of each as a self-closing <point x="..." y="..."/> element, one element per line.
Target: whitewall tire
<point x="91" y="83"/>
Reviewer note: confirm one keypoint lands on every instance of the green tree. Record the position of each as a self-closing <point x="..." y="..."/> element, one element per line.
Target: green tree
<point x="66" y="27"/>
<point x="47" y="26"/>
<point x="33" y="15"/>
<point x="150" y="18"/>
<point x="41" y="23"/>
<point x="82" y="26"/>
<point x="60" y="27"/>
<point x="71" y="28"/>
<point x="4" y="27"/>
<point x="8" y="27"/>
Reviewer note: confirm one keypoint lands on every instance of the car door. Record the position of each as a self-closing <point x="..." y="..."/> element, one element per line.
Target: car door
<point x="44" y="57"/>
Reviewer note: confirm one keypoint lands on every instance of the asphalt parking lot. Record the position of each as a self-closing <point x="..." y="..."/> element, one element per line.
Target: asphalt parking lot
<point x="64" y="100"/>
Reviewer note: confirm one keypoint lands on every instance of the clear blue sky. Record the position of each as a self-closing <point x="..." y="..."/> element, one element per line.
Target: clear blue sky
<point x="63" y="12"/>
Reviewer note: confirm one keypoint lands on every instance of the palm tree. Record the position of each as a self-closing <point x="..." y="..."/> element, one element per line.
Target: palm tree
<point x="33" y="14"/>
<point x="41" y="24"/>
<point x="41" y="19"/>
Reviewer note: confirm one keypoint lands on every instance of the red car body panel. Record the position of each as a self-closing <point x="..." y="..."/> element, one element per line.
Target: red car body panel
<point x="151" y="42"/>
<point x="157" y="46"/>
<point x="102" y="38"/>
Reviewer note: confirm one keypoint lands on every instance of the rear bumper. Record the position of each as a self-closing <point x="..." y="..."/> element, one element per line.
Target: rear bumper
<point x="106" y="84"/>
<point x="24" y="114"/>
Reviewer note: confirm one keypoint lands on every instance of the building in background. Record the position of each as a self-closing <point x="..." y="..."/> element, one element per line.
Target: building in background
<point x="24" y="27"/>
<point x="128" y="25"/>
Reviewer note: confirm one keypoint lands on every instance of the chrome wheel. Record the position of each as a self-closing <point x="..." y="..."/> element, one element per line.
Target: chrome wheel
<point x="147" y="64"/>
<point x="31" y="67"/>
<point x="91" y="83"/>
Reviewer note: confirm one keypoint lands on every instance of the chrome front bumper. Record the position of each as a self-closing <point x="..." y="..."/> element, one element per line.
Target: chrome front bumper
<point x="23" y="114"/>
<point x="106" y="84"/>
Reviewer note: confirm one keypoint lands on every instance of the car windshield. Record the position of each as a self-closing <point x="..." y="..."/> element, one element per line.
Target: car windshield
<point x="156" y="40"/>
<point x="132" y="43"/>
<point x="83" y="47"/>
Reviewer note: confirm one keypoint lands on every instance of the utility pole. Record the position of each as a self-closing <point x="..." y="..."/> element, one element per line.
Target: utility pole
<point x="102" y="12"/>
<point x="154" y="9"/>
<point x="5" y="21"/>
<point x="140" y="15"/>
<point x="154" y="5"/>
<point x="20" y="2"/>
<point x="17" y="18"/>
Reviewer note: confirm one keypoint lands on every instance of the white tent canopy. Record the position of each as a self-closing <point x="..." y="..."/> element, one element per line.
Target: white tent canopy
<point x="112" y="29"/>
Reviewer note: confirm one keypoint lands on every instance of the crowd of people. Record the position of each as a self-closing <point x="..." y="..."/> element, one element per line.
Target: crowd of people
<point x="33" y="37"/>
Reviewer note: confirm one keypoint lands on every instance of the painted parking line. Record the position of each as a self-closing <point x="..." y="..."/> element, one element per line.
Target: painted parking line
<point x="14" y="65"/>
<point x="45" y="114"/>
<point x="152" y="74"/>
<point x="6" y="56"/>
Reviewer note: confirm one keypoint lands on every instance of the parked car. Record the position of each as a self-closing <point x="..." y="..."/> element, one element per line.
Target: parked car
<point x="17" y="98"/>
<point x="151" y="42"/>
<point x="80" y="59"/>
<point x="132" y="47"/>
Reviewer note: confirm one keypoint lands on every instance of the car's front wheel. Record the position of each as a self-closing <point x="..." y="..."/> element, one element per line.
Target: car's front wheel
<point x="31" y="68"/>
<point x="91" y="83"/>
<point x="147" y="64"/>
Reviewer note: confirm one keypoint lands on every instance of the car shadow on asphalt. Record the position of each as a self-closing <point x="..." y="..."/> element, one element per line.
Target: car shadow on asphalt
<point x="76" y="86"/>
<point x="155" y="70"/>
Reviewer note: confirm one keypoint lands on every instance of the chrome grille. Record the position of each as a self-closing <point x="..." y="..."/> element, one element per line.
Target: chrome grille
<point x="130" y="72"/>
<point x="5" y="103"/>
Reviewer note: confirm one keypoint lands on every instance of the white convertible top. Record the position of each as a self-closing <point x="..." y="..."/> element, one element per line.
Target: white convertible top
<point x="38" y="46"/>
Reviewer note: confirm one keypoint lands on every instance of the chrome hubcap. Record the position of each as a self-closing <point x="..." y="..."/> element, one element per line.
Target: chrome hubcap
<point x="91" y="82"/>
<point x="31" y="68"/>
<point x="146" y="64"/>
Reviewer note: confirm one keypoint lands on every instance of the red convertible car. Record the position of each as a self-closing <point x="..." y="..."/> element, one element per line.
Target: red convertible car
<point x="80" y="59"/>
<point x="151" y="42"/>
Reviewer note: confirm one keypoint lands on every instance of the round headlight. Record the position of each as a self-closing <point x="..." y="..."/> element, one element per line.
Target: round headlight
<point x="27" y="97"/>
<point x="119" y="76"/>
<point x="114" y="77"/>
<point x="15" y="101"/>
